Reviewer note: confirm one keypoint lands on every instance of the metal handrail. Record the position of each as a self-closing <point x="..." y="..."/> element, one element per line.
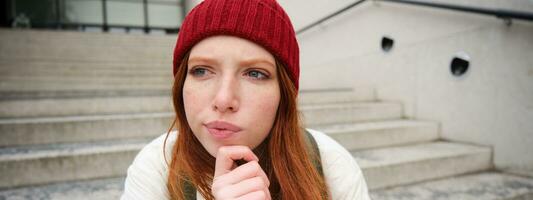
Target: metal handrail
<point x="500" y="13"/>
<point x="329" y="17"/>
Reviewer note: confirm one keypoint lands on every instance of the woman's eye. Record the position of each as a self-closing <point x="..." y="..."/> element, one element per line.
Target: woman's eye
<point x="198" y="71"/>
<point x="256" y="74"/>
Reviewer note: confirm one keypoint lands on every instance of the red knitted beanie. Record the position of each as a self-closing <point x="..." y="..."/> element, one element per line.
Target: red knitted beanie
<point x="263" y="22"/>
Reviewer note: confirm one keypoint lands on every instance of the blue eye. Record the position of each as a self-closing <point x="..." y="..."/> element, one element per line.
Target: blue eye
<point x="256" y="74"/>
<point x="198" y="71"/>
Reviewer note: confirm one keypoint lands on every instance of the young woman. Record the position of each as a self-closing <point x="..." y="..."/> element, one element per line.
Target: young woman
<point x="236" y="69"/>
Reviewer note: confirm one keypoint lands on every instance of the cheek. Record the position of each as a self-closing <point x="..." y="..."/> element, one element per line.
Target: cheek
<point x="188" y="97"/>
<point x="266" y="105"/>
<point x="265" y="116"/>
<point x="192" y="102"/>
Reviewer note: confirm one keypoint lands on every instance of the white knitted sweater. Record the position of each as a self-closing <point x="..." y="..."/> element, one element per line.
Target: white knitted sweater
<point x="147" y="175"/>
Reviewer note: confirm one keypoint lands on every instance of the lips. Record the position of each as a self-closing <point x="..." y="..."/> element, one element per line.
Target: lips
<point x="221" y="129"/>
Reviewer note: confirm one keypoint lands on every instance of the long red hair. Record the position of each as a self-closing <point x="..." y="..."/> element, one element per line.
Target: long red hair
<point x="283" y="154"/>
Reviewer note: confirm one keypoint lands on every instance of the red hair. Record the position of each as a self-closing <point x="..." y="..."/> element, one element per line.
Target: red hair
<point x="283" y="154"/>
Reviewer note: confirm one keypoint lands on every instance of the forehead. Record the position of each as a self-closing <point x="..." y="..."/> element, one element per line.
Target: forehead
<point x="223" y="46"/>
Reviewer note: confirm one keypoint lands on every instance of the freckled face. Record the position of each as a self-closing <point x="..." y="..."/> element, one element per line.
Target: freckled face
<point x="232" y="81"/>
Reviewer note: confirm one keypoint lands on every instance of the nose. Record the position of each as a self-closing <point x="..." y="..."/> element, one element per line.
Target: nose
<point x="227" y="97"/>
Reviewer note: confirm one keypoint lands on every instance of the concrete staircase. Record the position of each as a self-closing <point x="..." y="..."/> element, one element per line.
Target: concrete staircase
<point x="75" y="108"/>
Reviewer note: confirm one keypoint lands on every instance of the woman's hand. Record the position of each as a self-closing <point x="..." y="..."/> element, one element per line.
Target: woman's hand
<point x="247" y="181"/>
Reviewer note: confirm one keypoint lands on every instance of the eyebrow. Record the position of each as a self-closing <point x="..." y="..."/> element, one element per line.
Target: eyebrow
<point x="258" y="60"/>
<point x="202" y="59"/>
<point x="245" y="62"/>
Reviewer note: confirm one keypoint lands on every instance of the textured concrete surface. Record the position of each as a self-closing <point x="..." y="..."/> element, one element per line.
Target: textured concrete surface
<point x="365" y="135"/>
<point x="49" y="107"/>
<point x="103" y="189"/>
<point x="73" y="46"/>
<point x="486" y="186"/>
<point x="320" y="96"/>
<point x="490" y="105"/>
<point x="41" y="164"/>
<point x="45" y="130"/>
<point x="63" y="60"/>
<point x="393" y="166"/>
<point x="350" y="112"/>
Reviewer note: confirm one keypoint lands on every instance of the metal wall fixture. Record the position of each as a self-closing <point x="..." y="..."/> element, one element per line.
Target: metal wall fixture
<point x="460" y="64"/>
<point x="387" y="43"/>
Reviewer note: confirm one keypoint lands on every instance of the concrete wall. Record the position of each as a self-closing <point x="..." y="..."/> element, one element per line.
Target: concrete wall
<point x="190" y="4"/>
<point x="492" y="104"/>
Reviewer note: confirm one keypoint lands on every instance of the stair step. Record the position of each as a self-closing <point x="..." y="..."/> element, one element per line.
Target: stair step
<point x="336" y="95"/>
<point x="69" y="68"/>
<point x="393" y="166"/>
<point x="166" y="79"/>
<point x="488" y="186"/>
<point x="41" y="164"/>
<point x="88" y="72"/>
<point x="46" y="130"/>
<point x="17" y="108"/>
<point x="43" y="130"/>
<point x="25" y="83"/>
<point x="21" y="44"/>
<point x="101" y="189"/>
<point x="324" y="114"/>
<point x="365" y="135"/>
<point x="73" y="94"/>
<point x="87" y="53"/>
<point x="61" y="37"/>
<point x="107" y="85"/>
